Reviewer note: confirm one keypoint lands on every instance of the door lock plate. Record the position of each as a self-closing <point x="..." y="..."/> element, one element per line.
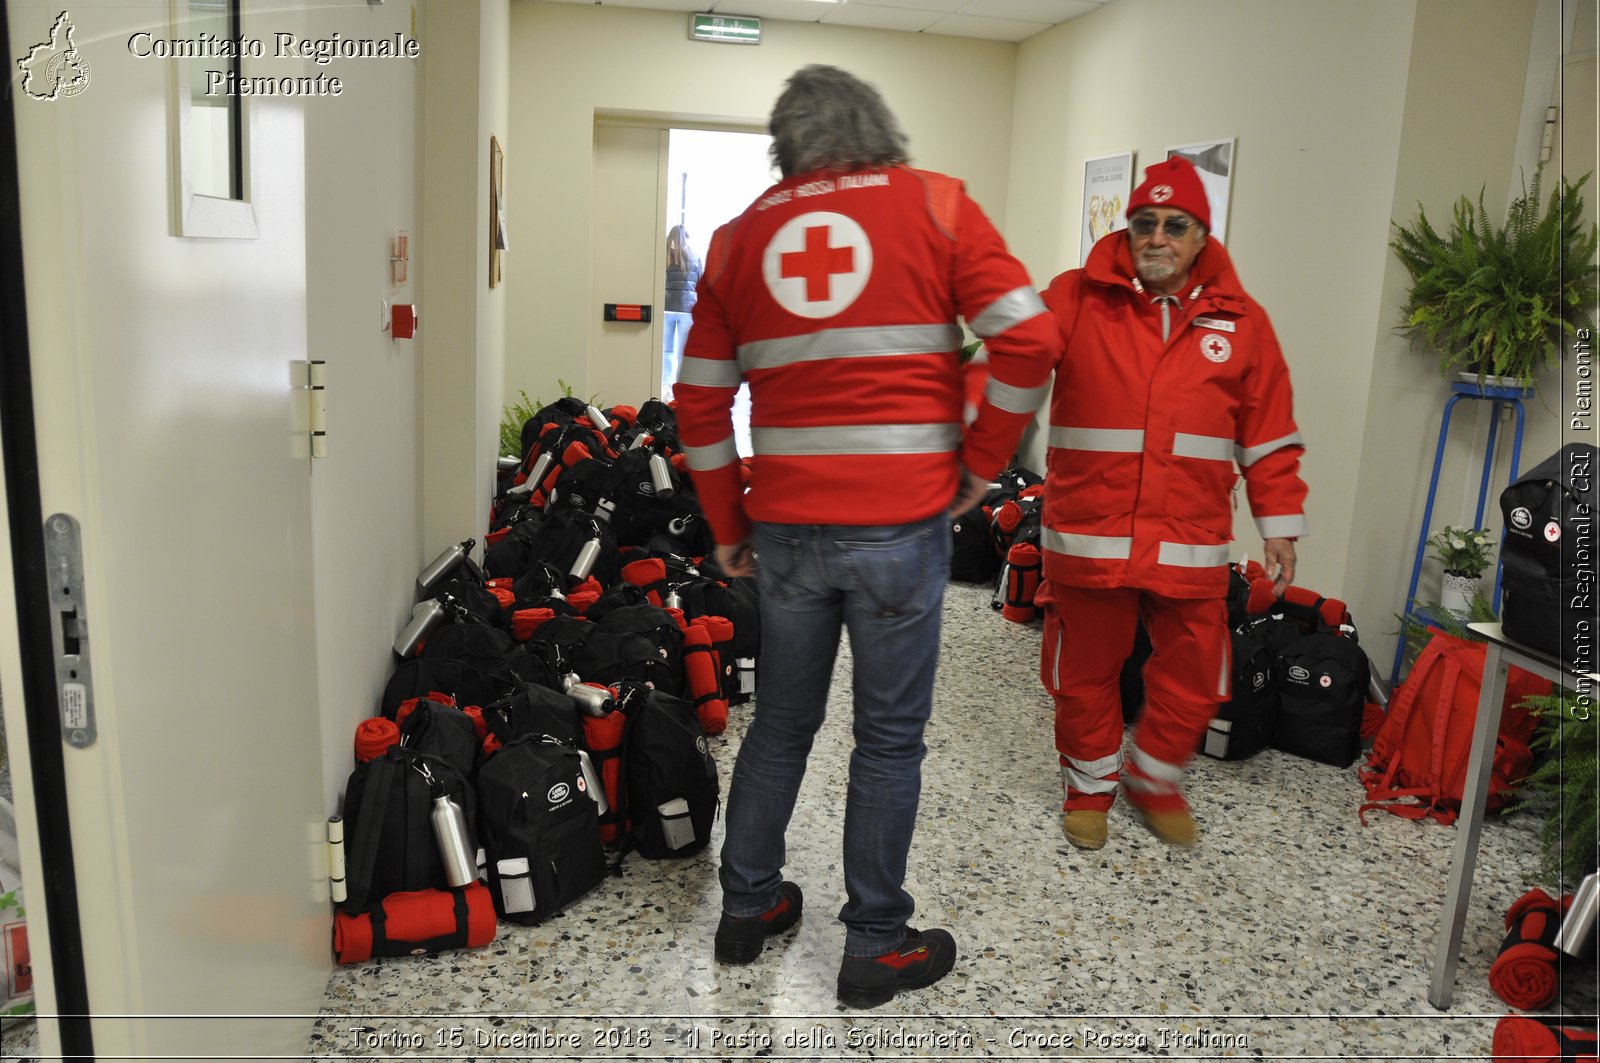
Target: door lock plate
<point x="69" y="628"/>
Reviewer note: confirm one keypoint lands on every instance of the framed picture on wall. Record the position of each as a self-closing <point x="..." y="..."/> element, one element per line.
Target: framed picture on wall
<point x="1107" y="183"/>
<point x="1214" y="160"/>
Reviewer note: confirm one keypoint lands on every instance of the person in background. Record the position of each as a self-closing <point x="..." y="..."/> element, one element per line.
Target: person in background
<point x="683" y="273"/>
<point x="836" y="295"/>
<point x="1171" y="376"/>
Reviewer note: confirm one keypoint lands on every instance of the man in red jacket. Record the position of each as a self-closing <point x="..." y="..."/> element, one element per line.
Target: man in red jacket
<point x="835" y="296"/>
<point x="1171" y="377"/>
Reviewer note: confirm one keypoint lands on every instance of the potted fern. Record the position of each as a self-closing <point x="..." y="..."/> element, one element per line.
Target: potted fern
<point x="1501" y="301"/>
<point x="1566" y="785"/>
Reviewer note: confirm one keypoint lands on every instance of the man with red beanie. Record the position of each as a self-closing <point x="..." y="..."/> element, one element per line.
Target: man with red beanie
<point x="1171" y="378"/>
<point x="835" y="296"/>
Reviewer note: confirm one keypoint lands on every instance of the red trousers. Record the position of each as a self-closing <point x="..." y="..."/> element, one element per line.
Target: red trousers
<point x="1088" y="634"/>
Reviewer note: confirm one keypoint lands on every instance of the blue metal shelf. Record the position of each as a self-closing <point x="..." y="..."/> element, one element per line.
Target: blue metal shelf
<point x="1499" y="396"/>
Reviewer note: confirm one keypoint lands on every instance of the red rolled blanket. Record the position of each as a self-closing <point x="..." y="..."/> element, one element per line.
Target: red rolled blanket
<point x="1524" y="974"/>
<point x="374" y="737"/>
<point x="1525" y="1039"/>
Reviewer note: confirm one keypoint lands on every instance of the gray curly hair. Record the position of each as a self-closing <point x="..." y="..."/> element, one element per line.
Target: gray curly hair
<point x="828" y="119"/>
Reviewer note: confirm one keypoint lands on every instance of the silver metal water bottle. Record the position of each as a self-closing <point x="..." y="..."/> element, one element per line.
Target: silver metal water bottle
<point x="672" y="600"/>
<point x="535" y="476"/>
<point x="452" y="556"/>
<point x="455" y="844"/>
<point x="583" y="564"/>
<point x="600" y="421"/>
<point x="640" y="440"/>
<point x="1577" y="926"/>
<point x="661" y="477"/>
<point x="425" y="616"/>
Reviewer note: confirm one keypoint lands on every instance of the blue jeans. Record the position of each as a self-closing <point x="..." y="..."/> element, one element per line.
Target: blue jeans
<point x="885" y="585"/>
<point x="674" y="335"/>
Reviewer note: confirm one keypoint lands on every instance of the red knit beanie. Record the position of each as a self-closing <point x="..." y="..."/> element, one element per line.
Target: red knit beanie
<point x="1173" y="183"/>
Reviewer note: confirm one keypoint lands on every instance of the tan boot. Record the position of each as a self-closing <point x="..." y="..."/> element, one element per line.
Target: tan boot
<point x="1174" y="826"/>
<point x="1084" y="828"/>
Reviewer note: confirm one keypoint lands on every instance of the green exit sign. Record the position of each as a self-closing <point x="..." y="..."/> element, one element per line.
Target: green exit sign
<point x="724" y="29"/>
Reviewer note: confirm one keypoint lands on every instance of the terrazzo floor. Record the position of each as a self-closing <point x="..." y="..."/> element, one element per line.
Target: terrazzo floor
<point x="1290" y="932"/>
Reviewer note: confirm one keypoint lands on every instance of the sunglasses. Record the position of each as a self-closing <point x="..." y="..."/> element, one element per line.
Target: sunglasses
<point x="1175" y="227"/>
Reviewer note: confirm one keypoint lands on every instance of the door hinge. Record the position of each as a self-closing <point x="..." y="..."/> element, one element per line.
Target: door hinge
<point x="311" y="404"/>
<point x="69" y="629"/>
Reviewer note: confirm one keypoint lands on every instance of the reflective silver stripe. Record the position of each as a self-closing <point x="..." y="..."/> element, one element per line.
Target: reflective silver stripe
<point x="712" y="456"/>
<point x="1157" y="770"/>
<point x="1191" y="555"/>
<point x="1012" y="308"/>
<point x="1087" y="784"/>
<point x="710" y="372"/>
<point x="1014" y="399"/>
<point x="1226" y="671"/>
<point x="1099" y="547"/>
<point x="1055" y="667"/>
<point x="848" y="343"/>
<point x="1118" y="440"/>
<point x="1287" y="526"/>
<point x="1248" y="456"/>
<point x="1207" y="448"/>
<point x="857" y="439"/>
<point x="1095" y="769"/>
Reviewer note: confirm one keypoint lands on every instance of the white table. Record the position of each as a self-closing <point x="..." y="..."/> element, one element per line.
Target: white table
<point x="1502" y="653"/>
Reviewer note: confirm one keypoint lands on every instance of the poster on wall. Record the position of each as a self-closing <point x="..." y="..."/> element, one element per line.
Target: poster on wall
<point x="1107" y="182"/>
<point x="1214" y="160"/>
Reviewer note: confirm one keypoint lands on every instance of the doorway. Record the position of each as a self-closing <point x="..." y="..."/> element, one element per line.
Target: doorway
<point x="712" y="176"/>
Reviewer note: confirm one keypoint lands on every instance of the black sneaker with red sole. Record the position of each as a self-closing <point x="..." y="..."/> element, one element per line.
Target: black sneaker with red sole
<point x="921" y="960"/>
<point x="739" y="939"/>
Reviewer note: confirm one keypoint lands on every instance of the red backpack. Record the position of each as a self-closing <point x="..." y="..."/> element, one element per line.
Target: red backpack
<point x="1418" y="764"/>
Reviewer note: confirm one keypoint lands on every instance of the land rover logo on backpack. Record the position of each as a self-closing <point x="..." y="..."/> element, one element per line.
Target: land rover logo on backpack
<point x="646" y="487"/>
<point x="1522" y="518"/>
<point x="558" y="793"/>
<point x="1297" y="672"/>
<point x="1260" y="680"/>
<point x="700" y="744"/>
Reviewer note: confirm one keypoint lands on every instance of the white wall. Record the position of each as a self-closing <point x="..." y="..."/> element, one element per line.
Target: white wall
<point x="463" y="322"/>
<point x="1346" y="115"/>
<point x="953" y="96"/>
<point x="1462" y="105"/>
<point x="361" y="163"/>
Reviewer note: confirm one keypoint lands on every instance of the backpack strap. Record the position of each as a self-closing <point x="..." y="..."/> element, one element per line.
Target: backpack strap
<point x="1381" y="790"/>
<point x="363" y="853"/>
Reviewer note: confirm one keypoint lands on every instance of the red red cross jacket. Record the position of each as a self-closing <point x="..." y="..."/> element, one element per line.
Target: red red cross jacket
<point x="1145" y="434"/>
<point x="835" y="295"/>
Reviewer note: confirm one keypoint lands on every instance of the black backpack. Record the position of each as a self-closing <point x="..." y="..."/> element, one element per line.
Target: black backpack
<point x="1548" y="583"/>
<point x="540" y="828"/>
<point x="389" y="841"/>
<point x="1322" y="680"/>
<point x="532" y="710"/>
<point x="637" y="642"/>
<point x="972" y="554"/>
<point x="670" y="787"/>
<point x="1243" y="723"/>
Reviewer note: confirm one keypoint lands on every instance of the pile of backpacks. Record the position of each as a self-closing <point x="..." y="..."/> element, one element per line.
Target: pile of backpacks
<point x="550" y="708"/>
<point x="997" y="542"/>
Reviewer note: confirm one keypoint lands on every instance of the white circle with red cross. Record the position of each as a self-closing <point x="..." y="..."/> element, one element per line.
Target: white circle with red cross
<point x="1552" y="531"/>
<point x="817" y="264"/>
<point x="1161" y="193"/>
<point x="1216" y="348"/>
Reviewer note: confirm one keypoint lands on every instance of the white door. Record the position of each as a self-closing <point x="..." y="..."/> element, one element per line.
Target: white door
<point x="163" y="397"/>
<point x="629" y="262"/>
